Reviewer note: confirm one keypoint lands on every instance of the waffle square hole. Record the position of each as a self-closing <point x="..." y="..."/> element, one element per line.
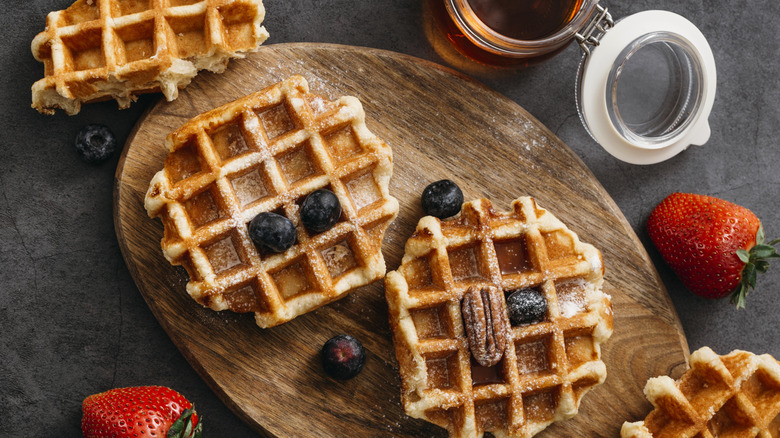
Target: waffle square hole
<point x="481" y="375"/>
<point x="419" y="274"/>
<point x="243" y="298"/>
<point x="250" y="186"/>
<point x="339" y="259"/>
<point x="376" y="232"/>
<point x="700" y="389"/>
<point x="730" y="420"/>
<point x="45" y="54"/>
<point x="298" y="163"/>
<point x="80" y="12"/>
<point x="224" y="254"/>
<point x="540" y="406"/>
<point x="571" y="297"/>
<point x="431" y="322"/>
<point x="492" y="415"/>
<point x="174" y="3"/>
<point x="580" y="347"/>
<point x="469" y="219"/>
<point x="559" y="245"/>
<point x="237" y="19"/>
<point x="276" y="121"/>
<point x="533" y="357"/>
<point x="466" y="263"/>
<point x="183" y="163"/>
<point x="293" y="280"/>
<point x="192" y="268"/>
<point x="763" y="392"/>
<point x="513" y="256"/>
<point x="189" y="34"/>
<point x="363" y="190"/>
<point x="343" y="144"/>
<point x="203" y="208"/>
<point x="85" y="49"/>
<point x="138" y="39"/>
<point x="453" y="417"/>
<point x="229" y="141"/>
<point x="127" y="7"/>
<point x="580" y="386"/>
<point x="442" y="370"/>
<point x="774" y="428"/>
<point x="318" y="105"/>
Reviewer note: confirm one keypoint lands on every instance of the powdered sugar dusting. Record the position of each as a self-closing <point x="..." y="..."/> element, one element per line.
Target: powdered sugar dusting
<point x="363" y="191"/>
<point x="532" y="357"/>
<point x="571" y="297"/>
<point x="222" y="255"/>
<point x="249" y="187"/>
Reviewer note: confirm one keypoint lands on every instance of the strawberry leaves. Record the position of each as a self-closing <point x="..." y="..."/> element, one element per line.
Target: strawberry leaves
<point x="183" y="427"/>
<point x="756" y="261"/>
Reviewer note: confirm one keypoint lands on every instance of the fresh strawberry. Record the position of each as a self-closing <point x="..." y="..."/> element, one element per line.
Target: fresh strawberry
<point x="714" y="246"/>
<point x="139" y="411"/>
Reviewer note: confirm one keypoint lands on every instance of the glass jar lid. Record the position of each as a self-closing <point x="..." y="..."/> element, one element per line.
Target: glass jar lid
<point x="645" y="91"/>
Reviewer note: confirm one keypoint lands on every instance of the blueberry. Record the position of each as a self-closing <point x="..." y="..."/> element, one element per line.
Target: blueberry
<point x="320" y="210"/>
<point x="95" y="143"/>
<point x="343" y="357"/>
<point x="526" y="306"/>
<point x="442" y="199"/>
<point x="272" y="232"/>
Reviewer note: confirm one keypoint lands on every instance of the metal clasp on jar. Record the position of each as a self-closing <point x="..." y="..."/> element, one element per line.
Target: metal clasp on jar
<point x="590" y="35"/>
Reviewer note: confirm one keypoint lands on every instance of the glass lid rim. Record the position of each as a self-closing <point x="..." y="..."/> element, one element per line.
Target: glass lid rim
<point x="678" y="126"/>
<point x="592" y="74"/>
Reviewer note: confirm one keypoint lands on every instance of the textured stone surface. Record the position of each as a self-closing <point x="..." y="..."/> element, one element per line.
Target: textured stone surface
<point x="73" y="323"/>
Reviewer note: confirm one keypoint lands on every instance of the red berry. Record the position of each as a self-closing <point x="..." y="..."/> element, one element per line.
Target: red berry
<point x="714" y="246"/>
<point x="151" y="411"/>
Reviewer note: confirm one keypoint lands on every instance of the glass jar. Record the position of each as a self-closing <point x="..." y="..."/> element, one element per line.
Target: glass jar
<point x="645" y="85"/>
<point x="475" y="39"/>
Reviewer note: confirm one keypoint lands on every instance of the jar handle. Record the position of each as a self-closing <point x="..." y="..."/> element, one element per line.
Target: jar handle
<point x="700" y="134"/>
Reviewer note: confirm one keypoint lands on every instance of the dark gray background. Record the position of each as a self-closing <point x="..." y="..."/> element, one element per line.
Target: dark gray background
<point x="72" y="322"/>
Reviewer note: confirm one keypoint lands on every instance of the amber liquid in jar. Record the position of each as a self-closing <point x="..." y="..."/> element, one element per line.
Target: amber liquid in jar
<point x="524" y="20"/>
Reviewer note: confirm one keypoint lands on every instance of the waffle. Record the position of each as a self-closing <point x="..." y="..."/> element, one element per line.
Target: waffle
<point x="265" y="153"/>
<point x="546" y="367"/>
<point x="736" y="395"/>
<point x="102" y="49"/>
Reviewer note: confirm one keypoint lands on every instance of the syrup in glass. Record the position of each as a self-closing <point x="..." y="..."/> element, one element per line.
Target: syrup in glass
<point x="525" y="19"/>
<point x="515" y="20"/>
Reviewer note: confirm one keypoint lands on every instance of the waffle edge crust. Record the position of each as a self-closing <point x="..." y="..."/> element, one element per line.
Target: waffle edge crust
<point x="116" y="49"/>
<point x="735" y="395"/>
<point x="265" y="153"/>
<point x="546" y="366"/>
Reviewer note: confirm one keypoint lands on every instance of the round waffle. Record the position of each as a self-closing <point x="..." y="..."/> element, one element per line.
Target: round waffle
<point x="103" y="49"/>
<point x="265" y="153"/>
<point x="546" y="366"/>
<point x="736" y="395"/>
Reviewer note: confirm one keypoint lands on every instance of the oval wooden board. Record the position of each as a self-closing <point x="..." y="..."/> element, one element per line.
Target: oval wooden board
<point x="440" y="125"/>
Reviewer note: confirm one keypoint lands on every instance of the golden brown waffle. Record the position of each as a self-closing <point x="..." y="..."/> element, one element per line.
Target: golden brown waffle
<point x="736" y="395"/>
<point x="265" y="153"/>
<point x="546" y="366"/>
<point x="102" y="49"/>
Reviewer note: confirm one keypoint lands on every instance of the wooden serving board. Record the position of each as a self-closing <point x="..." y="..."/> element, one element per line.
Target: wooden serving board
<point x="440" y="124"/>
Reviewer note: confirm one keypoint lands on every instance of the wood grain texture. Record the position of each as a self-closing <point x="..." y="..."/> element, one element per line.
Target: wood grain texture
<point x="440" y="125"/>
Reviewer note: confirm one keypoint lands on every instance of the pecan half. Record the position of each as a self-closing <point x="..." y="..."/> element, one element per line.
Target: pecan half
<point x="486" y="325"/>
